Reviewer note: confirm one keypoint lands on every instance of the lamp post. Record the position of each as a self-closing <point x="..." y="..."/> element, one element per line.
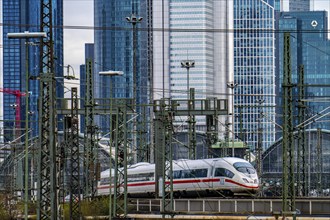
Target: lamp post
<point x="26" y="35"/>
<point x="232" y="86"/>
<point x="134" y="20"/>
<point x="111" y="74"/>
<point x="187" y="64"/>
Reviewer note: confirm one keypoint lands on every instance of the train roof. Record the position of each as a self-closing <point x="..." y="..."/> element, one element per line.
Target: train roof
<point x="178" y="164"/>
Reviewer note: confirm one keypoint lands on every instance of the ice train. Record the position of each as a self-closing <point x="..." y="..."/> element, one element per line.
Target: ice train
<point x="224" y="176"/>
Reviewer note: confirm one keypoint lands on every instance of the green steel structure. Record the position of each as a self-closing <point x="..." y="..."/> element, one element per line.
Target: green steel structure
<point x="288" y="190"/>
<point x="90" y="152"/>
<point x="163" y="153"/>
<point x="121" y="146"/>
<point x="301" y="150"/>
<point x="74" y="189"/>
<point x="47" y="183"/>
<point x="165" y="111"/>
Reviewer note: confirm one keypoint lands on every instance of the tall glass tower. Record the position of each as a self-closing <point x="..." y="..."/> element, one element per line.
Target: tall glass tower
<point x="299" y="5"/>
<point x="310" y="47"/>
<point x="199" y="31"/>
<point x="254" y="69"/>
<point x="113" y="47"/>
<point x="20" y="16"/>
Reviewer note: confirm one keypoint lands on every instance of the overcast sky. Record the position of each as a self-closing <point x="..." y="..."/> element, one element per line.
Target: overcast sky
<point x="80" y="13"/>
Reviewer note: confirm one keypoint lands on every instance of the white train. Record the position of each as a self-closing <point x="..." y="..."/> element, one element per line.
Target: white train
<point x="226" y="176"/>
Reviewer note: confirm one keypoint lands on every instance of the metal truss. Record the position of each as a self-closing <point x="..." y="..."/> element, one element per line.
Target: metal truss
<point x="120" y="180"/>
<point x="288" y="188"/>
<point x="47" y="161"/>
<point x="90" y="150"/>
<point x="75" y="209"/>
<point x="301" y="144"/>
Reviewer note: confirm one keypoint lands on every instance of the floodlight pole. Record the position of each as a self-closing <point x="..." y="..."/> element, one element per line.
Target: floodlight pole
<point x="111" y="74"/>
<point x="232" y="86"/>
<point x="187" y="64"/>
<point x="26" y="35"/>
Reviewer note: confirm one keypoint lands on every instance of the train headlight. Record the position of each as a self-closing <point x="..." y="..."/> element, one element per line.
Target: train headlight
<point x="245" y="180"/>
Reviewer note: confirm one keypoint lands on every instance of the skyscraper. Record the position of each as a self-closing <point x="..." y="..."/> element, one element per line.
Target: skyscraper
<point x="193" y="30"/>
<point x="20" y="16"/>
<point x="299" y="5"/>
<point x="119" y="41"/>
<point x="254" y="71"/>
<point x="310" y="47"/>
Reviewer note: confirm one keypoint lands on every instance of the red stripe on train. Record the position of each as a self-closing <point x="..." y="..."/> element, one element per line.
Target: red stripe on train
<point x="185" y="182"/>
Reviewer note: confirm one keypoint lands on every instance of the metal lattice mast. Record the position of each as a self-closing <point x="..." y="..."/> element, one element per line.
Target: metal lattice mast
<point x="301" y="145"/>
<point x="120" y="180"/>
<point x="47" y="164"/>
<point x="259" y="149"/>
<point x="319" y="161"/>
<point x="288" y="190"/>
<point x="90" y="179"/>
<point x="75" y="210"/>
<point x="167" y="198"/>
<point x="191" y="126"/>
<point x="164" y="167"/>
<point x="143" y="148"/>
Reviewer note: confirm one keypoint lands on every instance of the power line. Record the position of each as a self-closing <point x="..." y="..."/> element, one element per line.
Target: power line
<point x="188" y="30"/>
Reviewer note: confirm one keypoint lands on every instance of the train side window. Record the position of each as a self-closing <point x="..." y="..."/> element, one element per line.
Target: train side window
<point x="223" y="172"/>
<point x="177" y="174"/>
<point x="199" y="172"/>
<point x="186" y="174"/>
<point x="244" y="167"/>
<point x="140" y="177"/>
<point x="105" y="181"/>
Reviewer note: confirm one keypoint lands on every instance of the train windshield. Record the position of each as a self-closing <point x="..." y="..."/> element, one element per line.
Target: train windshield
<point x="244" y="167"/>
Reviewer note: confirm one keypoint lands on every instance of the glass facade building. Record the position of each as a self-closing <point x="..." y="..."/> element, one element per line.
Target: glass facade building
<point x="114" y="51"/>
<point x="193" y="30"/>
<point x="20" y="16"/>
<point x="299" y="5"/>
<point x="254" y="71"/>
<point x="310" y="47"/>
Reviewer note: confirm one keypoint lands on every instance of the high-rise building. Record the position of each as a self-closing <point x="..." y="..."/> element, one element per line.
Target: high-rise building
<point x="122" y="43"/>
<point x="19" y="16"/>
<point x="299" y="5"/>
<point x="254" y="70"/>
<point x="193" y="30"/>
<point x="309" y="47"/>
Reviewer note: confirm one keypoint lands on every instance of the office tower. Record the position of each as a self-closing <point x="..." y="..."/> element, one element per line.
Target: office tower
<point x="199" y="31"/>
<point x="20" y="16"/>
<point x="299" y="5"/>
<point x="310" y="47"/>
<point x="114" y="41"/>
<point x="254" y="69"/>
<point x="89" y="54"/>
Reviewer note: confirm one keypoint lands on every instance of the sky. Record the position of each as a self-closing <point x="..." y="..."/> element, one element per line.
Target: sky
<point x="80" y="13"/>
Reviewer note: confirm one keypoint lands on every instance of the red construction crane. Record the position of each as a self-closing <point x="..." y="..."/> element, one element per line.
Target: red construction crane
<point x="18" y="94"/>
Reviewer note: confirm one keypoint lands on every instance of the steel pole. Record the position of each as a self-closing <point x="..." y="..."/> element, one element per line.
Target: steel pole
<point x="26" y="180"/>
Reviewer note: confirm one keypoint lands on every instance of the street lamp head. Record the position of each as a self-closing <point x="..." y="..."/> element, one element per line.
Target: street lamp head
<point x="187" y="63"/>
<point x="134" y="19"/>
<point x="111" y="73"/>
<point x="27" y="34"/>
